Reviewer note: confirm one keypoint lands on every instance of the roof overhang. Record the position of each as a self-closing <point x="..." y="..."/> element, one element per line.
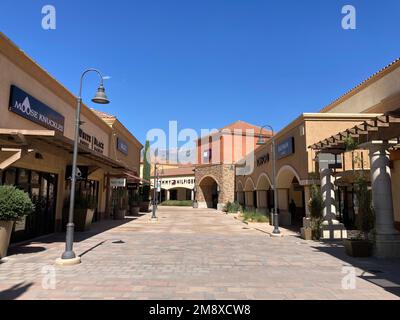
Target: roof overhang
<point x="29" y="138"/>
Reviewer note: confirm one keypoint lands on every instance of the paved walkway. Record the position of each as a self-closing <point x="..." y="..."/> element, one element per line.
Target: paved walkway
<point x="192" y="254"/>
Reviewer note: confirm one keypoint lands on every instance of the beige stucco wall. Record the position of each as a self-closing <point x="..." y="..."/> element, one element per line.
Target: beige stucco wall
<point x="373" y="98"/>
<point x="10" y="74"/>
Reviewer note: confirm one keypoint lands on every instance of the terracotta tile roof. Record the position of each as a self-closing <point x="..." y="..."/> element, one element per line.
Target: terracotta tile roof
<point x="102" y="114"/>
<point x="180" y="171"/>
<point x="374" y="77"/>
<point x="242" y="125"/>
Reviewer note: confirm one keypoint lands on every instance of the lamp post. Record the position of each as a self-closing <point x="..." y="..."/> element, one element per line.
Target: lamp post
<point x="261" y="141"/>
<point x="153" y="215"/>
<point x="68" y="256"/>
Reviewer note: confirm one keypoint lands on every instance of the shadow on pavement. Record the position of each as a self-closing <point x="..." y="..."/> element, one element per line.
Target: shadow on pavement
<point x="33" y="246"/>
<point x="15" y="291"/>
<point x="384" y="273"/>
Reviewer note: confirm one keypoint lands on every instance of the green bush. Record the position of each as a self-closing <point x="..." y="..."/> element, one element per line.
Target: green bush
<point x="253" y="216"/>
<point x="365" y="219"/>
<point x="179" y="203"/>
<point x="316" y="207"/>
<point x="232" y="207"/>
<point x="14" y="203"/>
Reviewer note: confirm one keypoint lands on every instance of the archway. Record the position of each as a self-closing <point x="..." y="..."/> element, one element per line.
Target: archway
<point x="209" y="189"/>
<point x="291" y="197"/>
<point x="240" y="193"/>
<point x="265" y="195"/>
<point x="250" y="194"/>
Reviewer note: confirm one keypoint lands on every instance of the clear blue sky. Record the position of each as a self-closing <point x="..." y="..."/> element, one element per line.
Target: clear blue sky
<point x="207" y="63"/>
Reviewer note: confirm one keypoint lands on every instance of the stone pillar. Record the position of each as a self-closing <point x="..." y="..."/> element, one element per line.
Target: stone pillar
<point x="192" y="195"/>
<point x="167" y="194"/>
<point x="331" y="228"/>
<point x="387" y="238"/>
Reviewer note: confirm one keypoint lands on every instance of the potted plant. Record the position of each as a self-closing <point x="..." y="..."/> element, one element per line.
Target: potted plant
<point x="195" y="204"/>
<point x="134" y="204"/>
<point x="14" y="205"/>
<point x="122" y="196"/>
<point x="315" y="206"/>
<point x="361" y="245"/>
<point x="83" y="212"/>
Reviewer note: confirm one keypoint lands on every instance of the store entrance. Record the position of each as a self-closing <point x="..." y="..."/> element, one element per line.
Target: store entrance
<point x="42" y="189"/>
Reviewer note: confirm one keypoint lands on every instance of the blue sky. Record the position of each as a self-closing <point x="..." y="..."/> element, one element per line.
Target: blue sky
<point x="208" y="63"/>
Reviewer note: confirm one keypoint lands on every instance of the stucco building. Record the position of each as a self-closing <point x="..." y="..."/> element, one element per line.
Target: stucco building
<point x="36" y="141"/>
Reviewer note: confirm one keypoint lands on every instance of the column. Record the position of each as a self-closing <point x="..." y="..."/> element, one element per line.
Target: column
<point x="331" y="228"/>
<point x="328" y="195"/>
<point x="167" y="194"/>
<point x="387" y="238"/>
<point x="192" y="195"/>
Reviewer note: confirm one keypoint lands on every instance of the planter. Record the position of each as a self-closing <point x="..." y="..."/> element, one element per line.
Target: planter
<point x="144" y="206"/>
<point x="5" y="236"/>
<point x="82" y="219"/>
<point x="135" y="210"/>
<point x="120" y="214"/>
<point x="195" y="204"/>
<point x="358" y="248"/>
<point x="306" y="233"/>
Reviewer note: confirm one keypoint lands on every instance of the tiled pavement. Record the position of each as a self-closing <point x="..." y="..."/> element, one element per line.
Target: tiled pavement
<point x="192" y="254"/>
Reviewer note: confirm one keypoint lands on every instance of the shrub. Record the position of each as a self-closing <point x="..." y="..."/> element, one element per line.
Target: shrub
<point x="232" y="207"/>
<point x="316" y="206"/>
<point x="14" y="203"/>
<point x="253" y="216"/>
<point x="182" y="203"/>
<point x="365" y="219"/>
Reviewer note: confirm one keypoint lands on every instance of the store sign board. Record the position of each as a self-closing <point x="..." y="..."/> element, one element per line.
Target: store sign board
<point x="91" y="141"/>
<point x="178" y="182"/>
<point x="34" y="110"/>
<point x="122" y="146"/>
<point x="285" y="148"/>
<point x="118" y="182"/>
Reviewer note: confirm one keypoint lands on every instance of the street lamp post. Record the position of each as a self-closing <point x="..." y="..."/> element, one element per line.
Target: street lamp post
<point x="68" y="256"/>
<point x="153" y="215"/>
<point x="261" y="141"/>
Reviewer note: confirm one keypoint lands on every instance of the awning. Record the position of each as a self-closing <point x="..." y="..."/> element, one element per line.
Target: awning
<point x="13" y="138"/>
<point x="382" y="128"/>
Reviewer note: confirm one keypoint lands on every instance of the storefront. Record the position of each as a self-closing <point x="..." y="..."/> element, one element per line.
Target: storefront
<point x="175" y="184"/>
<point x="36" y="144"/>
<point x="296" y="167"/>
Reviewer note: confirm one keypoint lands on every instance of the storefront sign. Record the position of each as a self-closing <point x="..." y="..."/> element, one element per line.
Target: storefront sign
<point x="122" y="146"/>
<point x="32" y="109"/>
<point x="262" y="160"/>
<point x="118" y="182"/>
<point x="81" y="172"/>
<point x="91" y="141"/>
<point x="285" y="148"/>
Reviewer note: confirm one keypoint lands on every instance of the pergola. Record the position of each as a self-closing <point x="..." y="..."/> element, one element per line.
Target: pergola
<point x="385" y="127"/>
<point x="378" y="135"/>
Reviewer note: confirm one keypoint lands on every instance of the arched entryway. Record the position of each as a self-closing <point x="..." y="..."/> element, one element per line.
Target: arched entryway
<point x="291" y="197"/>
<point x="250" y="195"/>
<point x="265" y="195"/>
<point x="209" y="188"/>
<point x="240" y="193"/>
